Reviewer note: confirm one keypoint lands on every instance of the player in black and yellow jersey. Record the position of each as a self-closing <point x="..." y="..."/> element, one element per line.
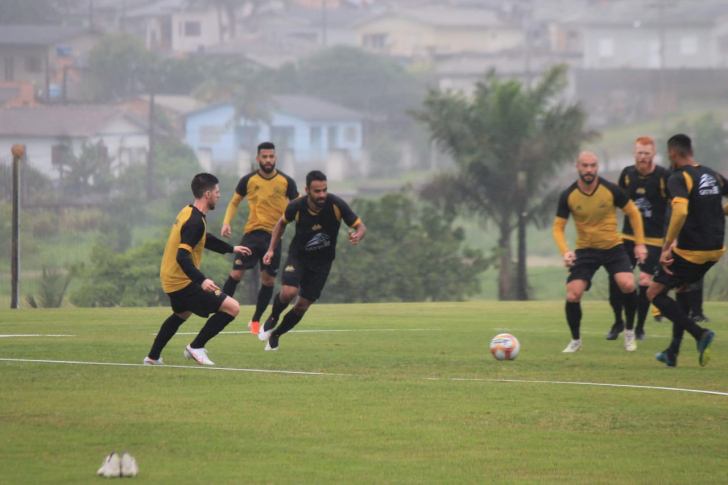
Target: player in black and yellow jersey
<point x="697" y="224"/>
<point x="268" y="191"/>
<point x="318" y="218"/>
<point x="593" y="200"/>
<point x="188" y="289"/>
<point x="646" y="185"/>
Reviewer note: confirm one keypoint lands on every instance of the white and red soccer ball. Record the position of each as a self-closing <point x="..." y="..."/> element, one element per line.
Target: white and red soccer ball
<point x="504" y="346"/>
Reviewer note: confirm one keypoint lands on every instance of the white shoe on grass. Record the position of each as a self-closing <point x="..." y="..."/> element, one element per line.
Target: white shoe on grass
<point x="573" y="346"/>
<point x="111" y="468"/>
<point x="629" y="343"/>
<point x="198" y="355"/>
<point x="148" y="361"/>
<point x="129" y="467"/>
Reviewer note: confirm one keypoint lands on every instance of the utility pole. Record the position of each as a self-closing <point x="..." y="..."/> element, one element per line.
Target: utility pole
<point x="18" y="152"/>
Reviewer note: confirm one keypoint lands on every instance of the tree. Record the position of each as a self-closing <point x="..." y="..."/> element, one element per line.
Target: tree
<point x="25" y="12"/>
<point x="507" y="142"/>
<point x="411" y="253"/>
<point x="119" y="66"/>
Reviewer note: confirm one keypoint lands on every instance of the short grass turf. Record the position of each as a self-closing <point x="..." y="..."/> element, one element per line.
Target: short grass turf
<point x="379" y="393"/>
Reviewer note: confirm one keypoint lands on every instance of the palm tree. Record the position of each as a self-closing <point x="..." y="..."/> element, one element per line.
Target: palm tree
<point x="507" y="141"/>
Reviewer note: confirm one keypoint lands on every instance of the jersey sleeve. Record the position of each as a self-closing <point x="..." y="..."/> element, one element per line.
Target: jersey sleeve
<point x="190" y="234"/>
<point x="291" y="210"/>
<point x="292" y="191"/>
<point x="562" y="209"/>
<point x="242" y="188"/>
<point x="620" y="198"/>
<point x="347" y="215"/>
<point x="623" y="180"/>
<point x="723" y="185"/>
<point x="677" y="187"/>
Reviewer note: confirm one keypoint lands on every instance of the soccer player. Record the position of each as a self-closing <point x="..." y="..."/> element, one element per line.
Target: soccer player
<point x="644" y="183"/>
<point x="268" y="191"/>
<point x="188" y="289"/>
<point x="697" y="224"/>
<point x="593" y="200"/>
<point x="318" y="217"/>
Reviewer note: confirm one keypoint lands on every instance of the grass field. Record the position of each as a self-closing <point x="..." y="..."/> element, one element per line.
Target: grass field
<point x="390" y="393"/>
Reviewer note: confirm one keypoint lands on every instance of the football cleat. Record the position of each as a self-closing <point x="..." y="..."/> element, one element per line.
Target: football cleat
<point x="703" y="344"/>
<point x="148" y="361"/>
<point x="614" y="332"/>
<point x="198" y="355"/>
<point x="254" y="327"/>
<point x="666" y="358"/>
<point x="629" y="344"/>
<point x="272" y="343"/>
<point x="268" y="327"/>
<point x="573" y="346"/>
<point x="111" y="467"/>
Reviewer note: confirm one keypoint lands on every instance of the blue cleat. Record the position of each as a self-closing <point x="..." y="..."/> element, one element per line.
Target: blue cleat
<point x="703" y="344"/>
<point x="665" y="359"/>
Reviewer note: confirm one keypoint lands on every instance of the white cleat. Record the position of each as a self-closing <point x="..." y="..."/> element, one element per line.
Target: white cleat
<point x="129" y="467"/>
<point x="629" y="343"/>
<point x="573" y="346"/>
<point x="148" y="361"/>
<point x="111" y="468"/>
<point x="198" y="355"/>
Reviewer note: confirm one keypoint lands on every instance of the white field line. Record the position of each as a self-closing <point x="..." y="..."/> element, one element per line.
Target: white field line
<point x="197" y="367"/>
<point x="632" y="386"/>
<point x="334" y="330"/>
<point x="565" y="331"/>
<point x="34" y="335"/>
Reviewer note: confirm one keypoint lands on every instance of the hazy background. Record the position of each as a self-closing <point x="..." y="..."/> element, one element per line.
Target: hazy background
<point x="120" y="102"/>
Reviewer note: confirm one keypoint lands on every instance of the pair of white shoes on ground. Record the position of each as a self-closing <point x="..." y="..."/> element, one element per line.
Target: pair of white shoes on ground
<point x="116" y="466"/>
<point x="629" y="343"/>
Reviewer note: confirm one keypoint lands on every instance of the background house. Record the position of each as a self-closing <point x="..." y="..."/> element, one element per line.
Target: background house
<point x="48" y="132"/>
<point x="308" y="133"/>
<point x="47" y="56"/>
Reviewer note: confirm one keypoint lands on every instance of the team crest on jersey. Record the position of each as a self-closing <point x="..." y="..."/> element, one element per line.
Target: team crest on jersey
<point x="290" y="268"/>
<point x="319" y="241"/>
<point x="238" y="261"/>
<point x="708" y="185"/>
<point x="641" y="191"/>
<point x="316" y="227"/>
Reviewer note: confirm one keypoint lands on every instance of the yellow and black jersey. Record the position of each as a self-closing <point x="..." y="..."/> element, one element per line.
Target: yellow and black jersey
<point x="697" y="193"/>
<point x="649" y="194"/>
<point x="317" y="232"/>
<point x="267" y="198"/>
<point x="183" y="253"/>
<point x="594" y="216"/>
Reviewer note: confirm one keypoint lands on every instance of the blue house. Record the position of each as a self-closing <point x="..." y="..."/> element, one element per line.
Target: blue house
<point x="308" y="133"/>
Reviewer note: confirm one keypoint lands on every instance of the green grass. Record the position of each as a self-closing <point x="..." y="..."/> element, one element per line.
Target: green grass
<point x="392" y="412"/>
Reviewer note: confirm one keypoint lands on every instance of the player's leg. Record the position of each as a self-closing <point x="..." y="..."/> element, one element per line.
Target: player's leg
<point x="647" y="269"/>
<point x="225" y="310"/>
<point x="696" y="302"/>
<point x="574" y="291"/>
<point x="625" y="281"/>
<point x="615" y="301"/>
<point x="268" y="275"/>
<point x="165" y="334"/>
<point x="243" y="263"/>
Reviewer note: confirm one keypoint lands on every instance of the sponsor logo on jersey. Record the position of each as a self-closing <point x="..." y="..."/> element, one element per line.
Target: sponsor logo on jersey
<point x="708" y="185"/>
<point x="644" y="206"/>
<point x="319" y="241"/>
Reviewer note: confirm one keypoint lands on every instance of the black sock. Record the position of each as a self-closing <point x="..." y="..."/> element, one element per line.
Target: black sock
<point x="289" y="321"/>
<point x="696" y="301"/>
<point x="683" y="301"/>
<point x="573" y="318"/>
<point x="166" y="332"/>
<point x="213" y="326"/>
<point x="615" y="300"/>
<point x="278" y="307"/>
<point x="630" y="308"/>
<point x="263" y="299"/>
<point x="643" y="306"/>
<point x="672" y="311"/>
<point x="229" y="287"/>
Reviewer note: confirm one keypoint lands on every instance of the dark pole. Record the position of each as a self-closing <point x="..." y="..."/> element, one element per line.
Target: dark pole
<point x="18" y="152"/>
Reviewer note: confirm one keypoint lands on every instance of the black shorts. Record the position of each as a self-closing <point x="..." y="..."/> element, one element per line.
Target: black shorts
<point x="683" y="272"/>
<point x="192" y="298"/>
<point x="652" y="260"/>
<point x="588" y="261"/>
<point x="258" y="241"/>
<point x="307" y="277"/>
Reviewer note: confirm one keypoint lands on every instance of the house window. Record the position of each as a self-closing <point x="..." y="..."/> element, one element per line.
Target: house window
<point x="247" y="137"/>
<point x="282" y="137"/>
<point x="32" y="64"/>
<point x="605" y="47"/>
<point x="193" y="29"/>
<point x="333" y="134"/>
<point x="374" y="41"/>
<point x="351" y="135"/>
<point x="688" y="46"/>
<point x="9" y="69"/>
<point x="315" y="138"/>
<point x="60" y="154"/>
<point x="210" y="134"/>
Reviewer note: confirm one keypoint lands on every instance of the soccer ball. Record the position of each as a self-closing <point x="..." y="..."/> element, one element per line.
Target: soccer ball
<point x="504" y="347"/>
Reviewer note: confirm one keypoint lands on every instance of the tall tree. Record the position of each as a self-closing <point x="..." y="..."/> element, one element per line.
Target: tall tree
<point x="507" y="141"/>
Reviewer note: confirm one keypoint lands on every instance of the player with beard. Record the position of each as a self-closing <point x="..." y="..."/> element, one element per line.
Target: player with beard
<point x="593" y="200"/>
<point x="697" y="224"/>
<point x="188" y="289"/>
<point x="268" y="191"/>
<point x="646" y="184"/>
<point x="318" y="218"/>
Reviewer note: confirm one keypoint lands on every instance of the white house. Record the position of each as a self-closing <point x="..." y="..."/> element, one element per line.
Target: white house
<point x="48" y="132"/>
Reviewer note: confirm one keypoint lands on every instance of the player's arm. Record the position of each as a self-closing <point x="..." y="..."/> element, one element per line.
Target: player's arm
<point x="219" y="246"/>
<point x="190" y="234"/>
<point x="678" y="189"/>
<point x="292" y="190"/>
<point x="275" y="239"/>
<point x="559" y="229"/>
<point x="232" y="209"/>
<point x="724" y="192"/>
<point x="635" y="219"/>
<point x="352" y="220"/>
